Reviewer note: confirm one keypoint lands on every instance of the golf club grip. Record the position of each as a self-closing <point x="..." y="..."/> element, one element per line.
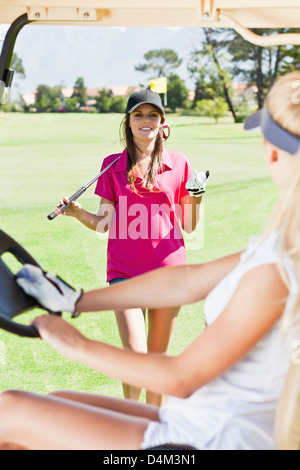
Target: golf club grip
<point x="61" y="208"/>
<point x="54" y="214"/>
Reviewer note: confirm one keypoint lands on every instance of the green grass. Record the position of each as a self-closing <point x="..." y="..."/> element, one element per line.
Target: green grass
<point x="44" y="157"/>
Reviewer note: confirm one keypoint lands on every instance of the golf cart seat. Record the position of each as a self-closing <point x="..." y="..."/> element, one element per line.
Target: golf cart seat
<point x="13" y="301"/>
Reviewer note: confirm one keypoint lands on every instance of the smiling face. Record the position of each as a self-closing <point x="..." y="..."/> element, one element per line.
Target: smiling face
<point x="145" y="122"/>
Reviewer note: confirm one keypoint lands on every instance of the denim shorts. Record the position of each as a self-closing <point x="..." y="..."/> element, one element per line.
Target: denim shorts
<point x="116" y="280"/>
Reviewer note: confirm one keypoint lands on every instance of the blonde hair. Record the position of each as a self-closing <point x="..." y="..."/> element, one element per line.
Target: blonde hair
<point x="283" y="102"/>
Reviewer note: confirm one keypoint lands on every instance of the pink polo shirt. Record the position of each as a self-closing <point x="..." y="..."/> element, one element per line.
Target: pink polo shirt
<point x="145" y="233"/>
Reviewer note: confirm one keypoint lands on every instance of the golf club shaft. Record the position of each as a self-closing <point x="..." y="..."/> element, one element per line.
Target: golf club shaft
<point x="61" y="208"/>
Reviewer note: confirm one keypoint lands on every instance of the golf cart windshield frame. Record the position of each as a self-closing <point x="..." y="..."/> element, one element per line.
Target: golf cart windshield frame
<point x="219" y="17"/>
<point x="6" y="74"/>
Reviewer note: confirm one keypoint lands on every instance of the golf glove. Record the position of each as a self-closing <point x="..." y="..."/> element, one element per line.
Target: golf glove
<point x="196" y="185"/>
<point x="51" y="292"/>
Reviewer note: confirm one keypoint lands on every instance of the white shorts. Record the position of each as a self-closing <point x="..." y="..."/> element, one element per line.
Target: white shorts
<point x="158" y="434"/>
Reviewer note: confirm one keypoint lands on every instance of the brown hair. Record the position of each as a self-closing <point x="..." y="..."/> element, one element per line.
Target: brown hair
<point x="156" y="163"/>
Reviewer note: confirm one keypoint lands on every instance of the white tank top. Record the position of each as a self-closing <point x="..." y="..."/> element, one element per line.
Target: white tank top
<point x="237" y="410"/>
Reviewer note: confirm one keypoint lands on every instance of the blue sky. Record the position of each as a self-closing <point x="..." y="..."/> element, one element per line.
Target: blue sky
<point x="57" y="55"/>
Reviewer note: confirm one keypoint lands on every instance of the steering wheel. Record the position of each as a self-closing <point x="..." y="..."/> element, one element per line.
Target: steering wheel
<point x="13" y="301"/>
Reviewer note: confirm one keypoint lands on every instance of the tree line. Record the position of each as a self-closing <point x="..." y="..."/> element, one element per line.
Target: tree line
<point x="221" y="58"/>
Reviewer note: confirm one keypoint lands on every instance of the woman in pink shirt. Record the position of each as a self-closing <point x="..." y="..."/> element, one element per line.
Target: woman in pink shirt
<point x="144" y="205"/>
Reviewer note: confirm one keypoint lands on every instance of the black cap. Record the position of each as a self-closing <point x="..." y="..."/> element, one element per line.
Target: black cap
<point x="140" y="97"/>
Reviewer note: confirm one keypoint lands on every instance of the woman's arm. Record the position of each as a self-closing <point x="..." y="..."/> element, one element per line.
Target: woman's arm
<point x="256" y="306"/>
<point x="99" y="222"/>
<point x="163" y="287"/>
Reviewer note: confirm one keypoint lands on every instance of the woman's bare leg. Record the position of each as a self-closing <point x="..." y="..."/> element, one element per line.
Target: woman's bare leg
<point x="131" y="324"/>
<point x="11" y="446"/>
<point x="48" y="422"/>
<point x="125" y="406"/>
<point x="161" y="328"/>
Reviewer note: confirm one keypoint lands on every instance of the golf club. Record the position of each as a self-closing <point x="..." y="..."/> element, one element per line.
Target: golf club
<point x="78" y="193"/>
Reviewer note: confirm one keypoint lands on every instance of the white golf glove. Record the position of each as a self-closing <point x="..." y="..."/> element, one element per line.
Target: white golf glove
<point x="51" y="292"/>
<point x="196" y="185"/>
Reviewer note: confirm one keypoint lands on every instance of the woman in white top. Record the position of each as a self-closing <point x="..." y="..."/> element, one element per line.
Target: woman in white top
<point x="224" y="388"/>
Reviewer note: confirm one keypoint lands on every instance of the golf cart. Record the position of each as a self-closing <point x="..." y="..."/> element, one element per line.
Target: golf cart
<point x="235" y="14"/>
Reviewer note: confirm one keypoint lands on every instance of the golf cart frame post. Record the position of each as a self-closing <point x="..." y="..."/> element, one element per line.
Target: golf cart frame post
<point x="6" y="74"/>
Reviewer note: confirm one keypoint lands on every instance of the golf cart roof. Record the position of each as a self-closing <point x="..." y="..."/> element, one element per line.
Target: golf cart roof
<point x="237" y="14"/>
<point x="184" y="13"/>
